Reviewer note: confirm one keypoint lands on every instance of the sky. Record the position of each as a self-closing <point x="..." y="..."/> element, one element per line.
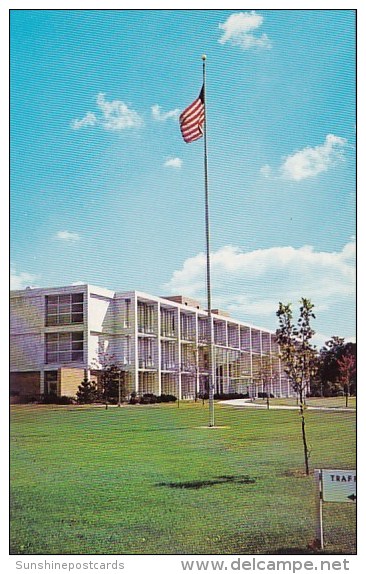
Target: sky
<point x="105" y="191"/>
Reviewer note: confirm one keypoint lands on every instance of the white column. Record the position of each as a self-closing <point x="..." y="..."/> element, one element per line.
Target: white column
<point x="179" y="358"/>
<point x="135" y="358"/>
<point x="159" y="349"/>
<point x="251" y="359"/>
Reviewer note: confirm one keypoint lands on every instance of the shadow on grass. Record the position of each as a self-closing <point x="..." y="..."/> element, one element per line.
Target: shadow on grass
<point x="197" y="484"/>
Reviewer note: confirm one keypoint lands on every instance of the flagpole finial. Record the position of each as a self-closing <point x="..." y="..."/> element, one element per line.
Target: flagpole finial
<point x="204" y="56"/>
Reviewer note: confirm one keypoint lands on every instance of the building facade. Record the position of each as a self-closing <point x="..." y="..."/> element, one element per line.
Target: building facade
<point x="59" y="335"/>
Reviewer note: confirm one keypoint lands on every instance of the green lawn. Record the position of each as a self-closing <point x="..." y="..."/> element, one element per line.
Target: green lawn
<point x="151" y="480"/>
<point x="331" y="402"/>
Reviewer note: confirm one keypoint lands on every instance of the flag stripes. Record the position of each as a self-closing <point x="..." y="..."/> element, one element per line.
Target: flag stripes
<point x="192" y="118"/>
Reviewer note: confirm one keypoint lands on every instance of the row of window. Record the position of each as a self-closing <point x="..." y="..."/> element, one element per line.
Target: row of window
<point x="67" y="309"/>
<point x="64" y="309"/>
<point x="65" y="347"/>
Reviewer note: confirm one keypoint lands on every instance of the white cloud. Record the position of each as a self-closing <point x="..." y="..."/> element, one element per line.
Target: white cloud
<point x="174" y="162"/>
<point x="89" y="119"/>
<point x="266" y="170"/>
<point x="21" y="280"/>
<point x="67" y="236"/>
<point x="250" y="285"/>
<point x="238" y="31"/>
<point x="113" y="116"/>
<point x="161" y="116"/>
<point x="311" y="161"/>
<point x="117" y="115"/>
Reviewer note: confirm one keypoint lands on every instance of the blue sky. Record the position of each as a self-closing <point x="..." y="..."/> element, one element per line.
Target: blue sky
<point x="105" y="191"/>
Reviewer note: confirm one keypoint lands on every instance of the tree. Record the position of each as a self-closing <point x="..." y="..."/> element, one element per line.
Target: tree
<point x="112" y="384"/>
<point x="328" y="368"/>
<point x="329" y="373"/>
<point x="347" y="368"/>
<point x="87" y="393"/>
<point x="298" y="356"/>
<point x="111" y="380"/>
<point x="265" y="378"/>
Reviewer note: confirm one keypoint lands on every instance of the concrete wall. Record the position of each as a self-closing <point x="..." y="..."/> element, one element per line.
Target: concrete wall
<point x="26" y="323"/>
<point x="26" y="351"/>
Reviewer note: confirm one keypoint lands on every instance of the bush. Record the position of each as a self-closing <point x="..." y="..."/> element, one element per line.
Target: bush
<point x="17" y="399"/>
<point x="265" y="395"/>
<point x="53" y="399"/>
<point x="87" y="392"/>
<point x="151" y="399"/>
<point x="231" y="396"/>
<point x="148" y="399"/>
<point x="133" y="399"/>
<point x="166" y="399"/>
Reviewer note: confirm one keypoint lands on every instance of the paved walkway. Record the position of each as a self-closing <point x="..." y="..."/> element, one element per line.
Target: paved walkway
<point x="247" y="403"/>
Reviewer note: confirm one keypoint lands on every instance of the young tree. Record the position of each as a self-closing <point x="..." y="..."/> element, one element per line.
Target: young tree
<point x="87" y="393"/>
<point x="347" y="368"/>
<point x="111" y="381"/>
<point x="112" y="384"/>
<point x="266" y="378"/>
<point x="298" y="356"/>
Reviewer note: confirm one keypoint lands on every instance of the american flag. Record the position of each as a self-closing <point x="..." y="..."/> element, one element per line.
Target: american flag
<point x="192" y="118"/>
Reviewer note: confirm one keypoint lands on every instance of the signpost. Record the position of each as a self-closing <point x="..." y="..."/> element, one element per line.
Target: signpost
<point x="333" y="486"/>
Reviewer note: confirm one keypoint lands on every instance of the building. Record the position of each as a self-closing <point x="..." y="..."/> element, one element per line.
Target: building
<point x="60" y="334"/>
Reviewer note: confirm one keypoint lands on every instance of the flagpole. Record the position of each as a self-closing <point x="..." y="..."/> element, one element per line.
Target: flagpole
<point x="211" y="365"/>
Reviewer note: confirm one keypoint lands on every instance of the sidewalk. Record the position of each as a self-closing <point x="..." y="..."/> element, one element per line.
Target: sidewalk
<point x="247" y="403"/>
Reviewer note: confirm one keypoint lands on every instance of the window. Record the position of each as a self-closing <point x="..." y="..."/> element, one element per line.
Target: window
<point x="188" y="358"/>
<point x="266" y="343"/>
<point x="256" y="341"/>
<point x="126" y="349"/>
<point x="167" y="323"/>
<point x="219" y="333"/>
<point x="203" y="329"/>
<point x="168" y="355"/>
<point x="146" y="317"/>
<point x="245" y="338"/>
<point x="233" y="336"/>
<point x="187" y="326"/>
<point x="64" y="309"/>
<point x="50" y="383"/>
<point x="65" y="347"/>
<point x="146" y="349"/>
<point x="127" y="313"/>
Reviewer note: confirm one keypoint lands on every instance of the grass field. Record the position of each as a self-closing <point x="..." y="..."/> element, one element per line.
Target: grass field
<point x="155" y="480"/>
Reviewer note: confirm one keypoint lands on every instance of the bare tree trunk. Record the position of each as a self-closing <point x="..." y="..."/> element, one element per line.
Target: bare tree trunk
<point x="347" y="396"/>
<point x="304" y="441"/>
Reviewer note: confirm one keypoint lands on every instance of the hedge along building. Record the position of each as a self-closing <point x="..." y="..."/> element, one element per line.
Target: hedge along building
<point x="59" y="335"/>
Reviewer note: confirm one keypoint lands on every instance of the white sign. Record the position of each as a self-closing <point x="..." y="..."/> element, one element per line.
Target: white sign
<point x="338" y="485"/>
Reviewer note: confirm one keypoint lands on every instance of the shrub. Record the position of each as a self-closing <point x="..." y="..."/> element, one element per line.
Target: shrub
<point x="166" y="399"/>
<point x="148" y="399"/>
<point x="133" y="399"/>
<point x="52" y="399"/>
<point x="87" y="392"/>
<point x="231" y="396"/>
<point x="265" y="395"/>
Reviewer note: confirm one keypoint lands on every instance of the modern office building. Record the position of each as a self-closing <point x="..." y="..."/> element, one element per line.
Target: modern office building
<point x="160" y="343"/>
